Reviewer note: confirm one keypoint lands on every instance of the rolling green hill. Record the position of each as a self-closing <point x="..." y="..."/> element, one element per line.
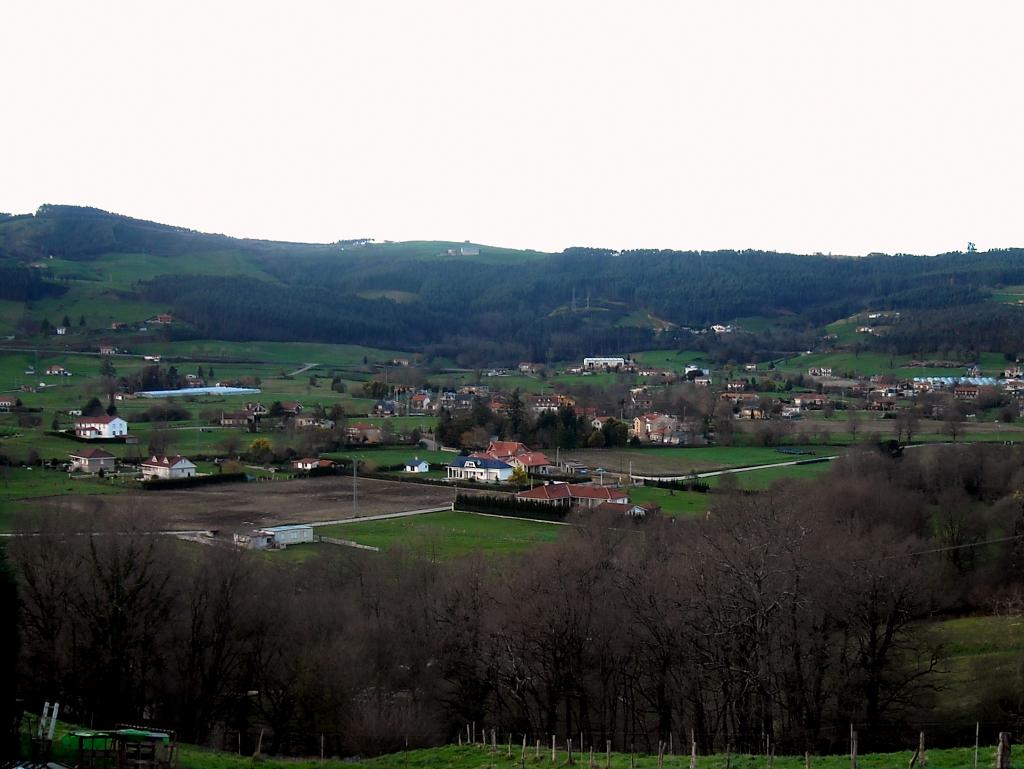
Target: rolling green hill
<point x="487" y="305"/>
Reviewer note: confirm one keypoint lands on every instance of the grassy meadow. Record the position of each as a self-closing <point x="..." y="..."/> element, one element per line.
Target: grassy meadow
<point x="449" y="534"/>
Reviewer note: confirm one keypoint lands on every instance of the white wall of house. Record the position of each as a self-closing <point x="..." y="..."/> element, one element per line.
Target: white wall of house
<point x="111" y="429"/>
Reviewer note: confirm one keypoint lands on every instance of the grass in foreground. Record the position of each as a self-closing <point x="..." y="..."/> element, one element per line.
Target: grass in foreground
<point x="449" y="534"/>
<point x="455" y="757"/>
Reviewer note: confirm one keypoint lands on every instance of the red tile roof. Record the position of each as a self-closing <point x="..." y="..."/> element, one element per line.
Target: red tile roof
<point x="91" y="454"/>
<point x="163" y="461"/>
<point x="103" y="420"/>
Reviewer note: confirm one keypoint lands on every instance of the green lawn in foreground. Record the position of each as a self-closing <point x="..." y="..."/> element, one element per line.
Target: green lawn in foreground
<point x="475" y="757"/>
<point x="448" y="534"/>
<point x="982" y="657"/>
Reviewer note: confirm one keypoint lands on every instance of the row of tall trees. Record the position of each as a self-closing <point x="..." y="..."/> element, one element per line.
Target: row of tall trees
<point x="777" y="617"/>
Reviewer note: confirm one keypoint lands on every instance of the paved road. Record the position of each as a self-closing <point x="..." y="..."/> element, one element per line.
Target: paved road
<point x="731" y="470"/>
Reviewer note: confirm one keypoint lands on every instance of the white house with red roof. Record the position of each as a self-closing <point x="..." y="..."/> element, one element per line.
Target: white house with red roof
<point x="311" y="463"/>
<point x="167" y="467"/>
<point x="583" y="495"/>
<point x="100" y="427"/>
<point x="516" y="454"/>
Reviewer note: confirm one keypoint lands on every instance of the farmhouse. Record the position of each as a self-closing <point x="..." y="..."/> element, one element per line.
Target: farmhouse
<point x="965" y="392"/>
<point x="362" y="432"/>
<point x="481" y="469"/>
<point x="7" y="403"/>
<point x="311" y="463"/>
<point x="581" y="495"/>
<point x="92" y="461"/>
<point x="810" y="401"/>
<point x="57" y="371"/>
<point x="629" y="509"/>
<point x="235" y="419"/>
<point x="100" y="427"/>
<point x="603" y="363"/>
<point x="167" y="467"/>
<point x="420" y="403"/>
<point x="417" y="465"/>
<point x="107" y="349"/>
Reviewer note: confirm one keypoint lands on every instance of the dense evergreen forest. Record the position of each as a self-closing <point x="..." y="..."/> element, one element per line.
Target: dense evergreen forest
<point x="503" y="306"/>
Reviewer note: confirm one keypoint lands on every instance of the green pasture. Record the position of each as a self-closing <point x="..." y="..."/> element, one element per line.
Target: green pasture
<point x="448" y="534"/>
<point x="869" y="363"/>
<point x="683" y="460"/>
<point x="756" y="480"/>
<point x="297" y="353"/>
<point x="19" y="485"/>
<point x="674" y="360"/>
<point x="672" y="502"/>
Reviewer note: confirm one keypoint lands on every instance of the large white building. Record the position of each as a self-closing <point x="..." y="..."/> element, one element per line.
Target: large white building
<point x="603" y="362"/>
<point x="100" y="427"/>
<point x="167" y="467"/>
<point x="481" y="469"/>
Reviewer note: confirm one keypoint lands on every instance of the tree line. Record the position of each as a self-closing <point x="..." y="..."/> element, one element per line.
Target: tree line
<point x="777" y="616"/>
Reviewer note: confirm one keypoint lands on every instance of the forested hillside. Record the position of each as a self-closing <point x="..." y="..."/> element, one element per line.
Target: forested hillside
<point x="492" y="305"/>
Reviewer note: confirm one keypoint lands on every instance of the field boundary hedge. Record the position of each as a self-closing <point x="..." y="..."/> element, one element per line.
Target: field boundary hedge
<point x="163" y="484"/>
<point x="516" y="508"/>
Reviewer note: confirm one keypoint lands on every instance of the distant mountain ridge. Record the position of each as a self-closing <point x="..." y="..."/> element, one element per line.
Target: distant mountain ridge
<point x="483" y="304"/>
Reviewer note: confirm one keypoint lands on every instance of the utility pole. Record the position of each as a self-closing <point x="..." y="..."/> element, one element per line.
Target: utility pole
<point x="355" y="487"/>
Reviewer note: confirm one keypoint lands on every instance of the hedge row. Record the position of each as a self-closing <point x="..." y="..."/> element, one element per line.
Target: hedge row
<point x="164" y="484"/>
<point x="694" y="485"/>
<point x="78" y="439"/>
<point x="518" y="508"/>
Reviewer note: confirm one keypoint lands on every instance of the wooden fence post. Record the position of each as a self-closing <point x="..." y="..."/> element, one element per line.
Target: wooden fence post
<point x="552" y="748"/>
<point x="693" y="750"/>
<point x="807" y="759"/>
<point x="922" y="757"/>
<point x="977" y="734"/>
<point x="1003" y="758"/>
<point x="607" y="754"/>
<point x="853" y="750"/>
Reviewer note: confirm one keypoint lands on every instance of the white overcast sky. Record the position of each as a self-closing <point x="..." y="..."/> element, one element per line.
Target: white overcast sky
<point x="843" y="127"/>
